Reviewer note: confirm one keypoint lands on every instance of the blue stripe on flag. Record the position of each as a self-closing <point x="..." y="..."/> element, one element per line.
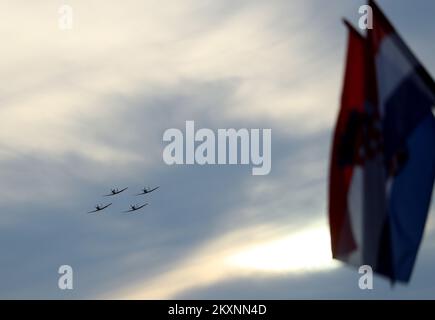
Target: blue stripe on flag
<point x="410" y="197"/>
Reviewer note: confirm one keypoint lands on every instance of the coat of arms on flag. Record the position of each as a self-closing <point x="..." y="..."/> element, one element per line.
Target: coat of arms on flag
<point x="383" y="158"/>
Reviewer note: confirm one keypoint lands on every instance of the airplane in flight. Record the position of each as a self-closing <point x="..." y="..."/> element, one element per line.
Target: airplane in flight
<point x="115" y="192"/>
<point x="99" y="208"/>
<point x="145" y="190"/>
<point x="135" y="207"/>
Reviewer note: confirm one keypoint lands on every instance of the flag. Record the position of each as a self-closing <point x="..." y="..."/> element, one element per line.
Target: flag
<point x="345" y="167"/>
<point x="383" y="156"/>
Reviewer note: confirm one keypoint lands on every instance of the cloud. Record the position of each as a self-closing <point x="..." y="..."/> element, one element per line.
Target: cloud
<point x="260" y="250"/>
<point x="85" y="110"/>
<point x="141" y="48"/>
<point x="337" y="283"/>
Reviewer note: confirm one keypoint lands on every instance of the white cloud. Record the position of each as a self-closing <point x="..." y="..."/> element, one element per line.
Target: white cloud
<point x="246" y="252"/>
<point x="58" y="78"/>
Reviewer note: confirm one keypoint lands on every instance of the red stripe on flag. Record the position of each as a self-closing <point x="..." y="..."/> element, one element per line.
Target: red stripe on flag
<point x="346" y="145"/>
<point x="382" y="27"/>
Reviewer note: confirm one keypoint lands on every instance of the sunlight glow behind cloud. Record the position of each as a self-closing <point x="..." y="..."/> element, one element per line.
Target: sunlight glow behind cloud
<point x="304" y="251"/>
<point x="248" y="252"/>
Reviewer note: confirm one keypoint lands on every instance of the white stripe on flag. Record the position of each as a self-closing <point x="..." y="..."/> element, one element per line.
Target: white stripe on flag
<point x="392" y="68"/>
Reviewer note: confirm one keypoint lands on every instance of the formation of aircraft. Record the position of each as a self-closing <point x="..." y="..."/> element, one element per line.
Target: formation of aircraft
<point x="116" y="191"/>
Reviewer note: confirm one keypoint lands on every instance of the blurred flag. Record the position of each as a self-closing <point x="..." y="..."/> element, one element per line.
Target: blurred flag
<point x="383" y="157"/>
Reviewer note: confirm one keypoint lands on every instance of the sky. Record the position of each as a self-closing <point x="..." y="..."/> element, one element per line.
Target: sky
<point x="84" y="110"/>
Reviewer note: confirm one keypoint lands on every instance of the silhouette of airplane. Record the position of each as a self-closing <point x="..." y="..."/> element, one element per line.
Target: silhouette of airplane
<point x="99" y="208"/>
<point x="145" y="191"/>
<point x="135" y="208"/>
<point x="115" y="191"/>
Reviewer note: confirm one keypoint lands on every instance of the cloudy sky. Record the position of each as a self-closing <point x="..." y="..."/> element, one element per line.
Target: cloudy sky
<point x="84" y="110"/>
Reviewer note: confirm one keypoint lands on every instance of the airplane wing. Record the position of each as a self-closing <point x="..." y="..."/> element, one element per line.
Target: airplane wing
<point x="122" y="190"/>
<point x="106" y="206"/>
<point x="112" y="194"/>
<point x="131" y="210"/>
<point x="141" y="206"/>
<point x="153" y="189"/>
<point x="148" y="191"/>
<point x="102" y="208"/>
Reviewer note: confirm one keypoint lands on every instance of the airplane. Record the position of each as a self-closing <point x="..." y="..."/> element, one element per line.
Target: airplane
<point x="134" y="208"/>
<point x="114" y="192"/>
<point x="145" y="190"/>
<point x="99" y="208"/>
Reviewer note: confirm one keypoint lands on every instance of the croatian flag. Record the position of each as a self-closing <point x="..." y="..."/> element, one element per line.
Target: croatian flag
<point x="383" y="157"/>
